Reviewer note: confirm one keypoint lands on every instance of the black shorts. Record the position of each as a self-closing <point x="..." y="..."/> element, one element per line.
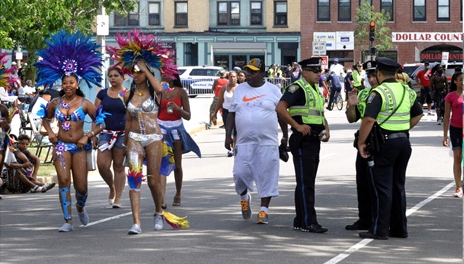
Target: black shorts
<point x="425" y="96"/>
<point x="456" y="137"/>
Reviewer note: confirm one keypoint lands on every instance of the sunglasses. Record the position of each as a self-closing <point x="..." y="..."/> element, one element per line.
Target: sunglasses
<point x="136" y="69"/>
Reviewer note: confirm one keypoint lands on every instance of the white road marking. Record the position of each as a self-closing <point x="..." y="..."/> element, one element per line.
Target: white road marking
<point x="366" y="241"/>
<point x="106" y="219"/>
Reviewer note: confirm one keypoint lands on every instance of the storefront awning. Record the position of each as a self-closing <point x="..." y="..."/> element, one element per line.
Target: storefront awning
<point x="243" y="47"/>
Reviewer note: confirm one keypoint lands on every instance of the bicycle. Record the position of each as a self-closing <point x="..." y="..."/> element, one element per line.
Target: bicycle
<point x="338" y="101"/>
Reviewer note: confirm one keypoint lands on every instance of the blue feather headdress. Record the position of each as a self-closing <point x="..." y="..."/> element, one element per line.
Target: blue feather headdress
<point x="68" y="54"/>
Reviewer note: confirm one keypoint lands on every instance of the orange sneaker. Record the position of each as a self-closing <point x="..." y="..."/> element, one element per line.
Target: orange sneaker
<point x="262" y="218"/>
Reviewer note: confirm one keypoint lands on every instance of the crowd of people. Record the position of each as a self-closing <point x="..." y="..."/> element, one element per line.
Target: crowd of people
<point x="143" y="126"/>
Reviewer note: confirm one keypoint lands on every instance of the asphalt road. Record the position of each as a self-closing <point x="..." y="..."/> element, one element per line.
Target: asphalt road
<point x="218" y="233"/>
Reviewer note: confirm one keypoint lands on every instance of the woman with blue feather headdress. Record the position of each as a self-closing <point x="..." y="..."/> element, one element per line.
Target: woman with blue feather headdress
<point x="73" y="59"/>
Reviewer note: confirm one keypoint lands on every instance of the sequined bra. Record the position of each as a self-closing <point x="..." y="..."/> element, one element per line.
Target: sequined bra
<point x="77" y="115"/>
<point x="149" y="106"/>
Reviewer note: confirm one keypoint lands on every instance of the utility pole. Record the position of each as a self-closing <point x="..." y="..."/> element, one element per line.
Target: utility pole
<point x="372" y="48"/>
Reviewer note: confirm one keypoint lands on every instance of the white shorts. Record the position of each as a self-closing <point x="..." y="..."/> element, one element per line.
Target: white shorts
<point x="259" y="164"/>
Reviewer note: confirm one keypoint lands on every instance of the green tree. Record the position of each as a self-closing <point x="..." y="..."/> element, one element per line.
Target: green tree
<point x="364" y="15"/>
<point x="28" y="23"/>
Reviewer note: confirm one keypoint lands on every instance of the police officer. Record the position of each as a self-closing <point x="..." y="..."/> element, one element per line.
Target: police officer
<point x="357" y="105"/>
<point x="305" y="115"/>
<point x="395" y="108"/>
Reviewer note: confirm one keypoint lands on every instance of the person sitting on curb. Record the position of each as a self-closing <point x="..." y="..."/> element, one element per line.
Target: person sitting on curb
<point x="19" y="171"/>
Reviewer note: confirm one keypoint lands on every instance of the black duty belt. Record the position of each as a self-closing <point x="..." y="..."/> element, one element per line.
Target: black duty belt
<point x="396" y="135"/>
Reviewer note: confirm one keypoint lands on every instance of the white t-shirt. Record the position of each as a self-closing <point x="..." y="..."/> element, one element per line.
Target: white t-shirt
<point x="29" y="89"/>
<point x="337" y="69"/>
<point x="255" y="116"/>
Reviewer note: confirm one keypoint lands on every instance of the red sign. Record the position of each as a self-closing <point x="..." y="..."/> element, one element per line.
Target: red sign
<point x="432" y="56"/>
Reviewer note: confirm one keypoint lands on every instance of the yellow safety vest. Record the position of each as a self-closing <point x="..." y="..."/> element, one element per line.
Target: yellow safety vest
<point x="362" y="96"/>
<point x="391" y="97"/>
<point x="357" y="78"/>
<point x="313" y="110"/>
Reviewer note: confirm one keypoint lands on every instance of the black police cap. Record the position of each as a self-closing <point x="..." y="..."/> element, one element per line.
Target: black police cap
<point x="369" y="66"/>
<point x="313" y="63"/>
<point x="387" y="64"/>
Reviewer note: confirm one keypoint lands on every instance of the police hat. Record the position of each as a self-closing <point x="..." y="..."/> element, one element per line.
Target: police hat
<point x="369" y="66"/>
<point x="387" y="64"/>
<point x="311" y="63"/>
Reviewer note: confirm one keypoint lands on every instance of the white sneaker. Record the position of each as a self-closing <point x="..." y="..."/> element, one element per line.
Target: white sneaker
<point x="37" y="189"/>
<point x="84" y="217"/>
<point x="159" y="221"/>
<point x="135" y="229"/>
<point x="430" y="113"/>
<point x="66" y="227"/>
<point x="440" y="121"/>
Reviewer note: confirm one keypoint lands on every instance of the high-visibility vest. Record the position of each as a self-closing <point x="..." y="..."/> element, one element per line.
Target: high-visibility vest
<point x="391" y="94"/>
<point x="362" y="96"/>
<point x="357" y="78"/>
<point x="312" y="112"/>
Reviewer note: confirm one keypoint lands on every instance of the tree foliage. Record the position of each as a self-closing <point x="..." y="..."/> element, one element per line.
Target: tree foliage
<point x="364" y="15"/>
<point x="28" y="23"/>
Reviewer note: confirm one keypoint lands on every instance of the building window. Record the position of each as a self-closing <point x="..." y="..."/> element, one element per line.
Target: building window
<point x="154" y="14"/>
<point x="369" y="1"/>
<point x="256" y="13"/>
<point x="443" y="11"/>
<point x="387" y="6"/>
<point x="280" y="10"/>
<point x="181" y="14"/>
<point x="228" y="13"/>
<point x="323" y="10"/>
<point x="344" y="10"/>
<point x="132" y="19"/>
<point x="419" y="10"/>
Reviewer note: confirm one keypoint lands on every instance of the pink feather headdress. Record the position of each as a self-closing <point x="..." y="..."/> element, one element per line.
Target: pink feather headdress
<point x="136" y="46"/>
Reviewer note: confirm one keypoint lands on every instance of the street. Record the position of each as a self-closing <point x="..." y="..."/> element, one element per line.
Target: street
<point x="219" y="234"/>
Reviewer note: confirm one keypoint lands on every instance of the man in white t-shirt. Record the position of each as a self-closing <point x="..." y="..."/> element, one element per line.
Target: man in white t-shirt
<point x="252" y="111"/>
<point x="337" y="68"/>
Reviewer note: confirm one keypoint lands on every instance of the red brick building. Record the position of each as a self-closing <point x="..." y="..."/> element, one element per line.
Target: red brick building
<point x="421" y="29"/>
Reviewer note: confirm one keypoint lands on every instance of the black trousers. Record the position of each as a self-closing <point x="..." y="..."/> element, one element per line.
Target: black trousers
<point x="305" y="152"/>
<point x="388" y="178"/>
<point x="364" y="190"/>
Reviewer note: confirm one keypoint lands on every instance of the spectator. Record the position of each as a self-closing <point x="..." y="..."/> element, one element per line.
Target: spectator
<point x="295" y="72"/>
<point x="29" y="89"/>
<point x="439" y="89"/>
<point x="348" y="83"/>
<point x="30" y="161"/>
<point x="252" y="112"/>
<point x="337" y="68"/>
<point x="423" y="79"/>
<point x="217" y="85"/>
<point x="241" y="78"/>
<point x="453" y="120"/>
<point x="335" y="87"/>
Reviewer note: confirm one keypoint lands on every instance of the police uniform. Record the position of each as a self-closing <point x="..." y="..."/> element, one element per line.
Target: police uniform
<point x="306" y="106"/>
<point x="389" y="172"/>
<point x="363" y="183"/>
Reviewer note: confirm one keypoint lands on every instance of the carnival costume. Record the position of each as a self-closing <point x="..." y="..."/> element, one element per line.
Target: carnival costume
<point x="69" y="54"/>
<point x="5" y="79"/>
<point x="133" y="48"/>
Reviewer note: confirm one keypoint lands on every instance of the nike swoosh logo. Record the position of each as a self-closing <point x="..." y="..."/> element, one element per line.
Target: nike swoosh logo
<point x="246" y="99"/>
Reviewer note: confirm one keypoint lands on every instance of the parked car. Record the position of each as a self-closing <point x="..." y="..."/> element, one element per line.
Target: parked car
<point x="198" y="80"/>
<point x="409" y="68"/>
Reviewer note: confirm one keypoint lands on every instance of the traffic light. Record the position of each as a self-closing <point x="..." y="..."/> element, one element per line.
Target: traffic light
<point x="372" y="31"/>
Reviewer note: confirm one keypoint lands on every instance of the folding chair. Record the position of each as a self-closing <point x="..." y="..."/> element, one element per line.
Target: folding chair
<point x="41" y="144"/>
<point x="26" y="128"/>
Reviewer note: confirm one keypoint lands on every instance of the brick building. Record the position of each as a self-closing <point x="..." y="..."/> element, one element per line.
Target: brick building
<point x="421" y="30"/>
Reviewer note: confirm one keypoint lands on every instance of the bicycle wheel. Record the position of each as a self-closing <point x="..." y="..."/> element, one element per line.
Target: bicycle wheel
<point x="339" y="102"/>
